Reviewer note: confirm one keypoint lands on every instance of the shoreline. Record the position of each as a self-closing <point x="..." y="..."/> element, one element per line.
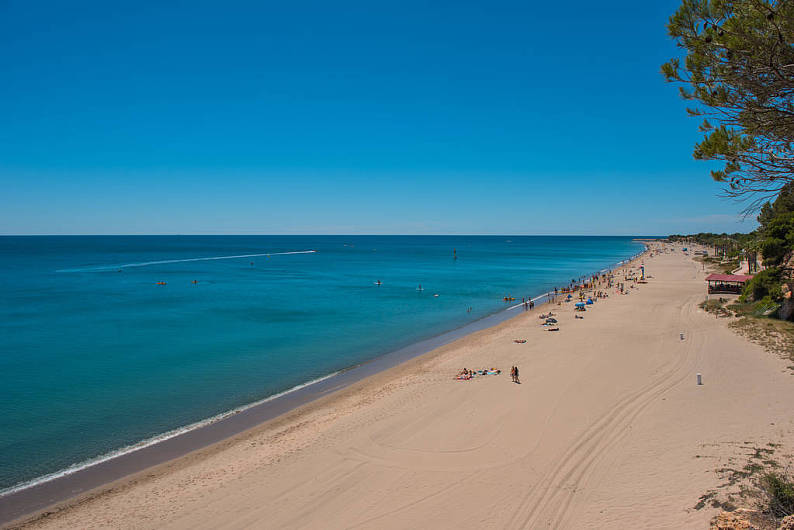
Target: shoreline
<point x="29" y="500"/>
<point x="607" y="428"/>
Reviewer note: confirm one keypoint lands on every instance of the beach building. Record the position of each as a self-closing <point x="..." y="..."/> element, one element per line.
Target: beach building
<point x="726" y="283"/>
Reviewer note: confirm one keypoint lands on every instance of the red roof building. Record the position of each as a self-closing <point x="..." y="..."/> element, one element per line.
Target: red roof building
<point x="726" y="283"/>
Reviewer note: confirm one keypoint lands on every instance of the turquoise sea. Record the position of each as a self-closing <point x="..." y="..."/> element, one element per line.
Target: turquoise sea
<point x="95" y="355"/>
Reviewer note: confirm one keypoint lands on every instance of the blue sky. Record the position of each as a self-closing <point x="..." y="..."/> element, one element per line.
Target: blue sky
<point x="347" y="117"/>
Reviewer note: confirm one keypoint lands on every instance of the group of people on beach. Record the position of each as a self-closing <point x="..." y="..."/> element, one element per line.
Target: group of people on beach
<point x="596" y="284"/>
<point x="466" y="374"/>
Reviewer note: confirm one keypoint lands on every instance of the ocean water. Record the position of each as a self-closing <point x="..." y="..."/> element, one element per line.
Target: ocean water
<point x="95" y="355"/>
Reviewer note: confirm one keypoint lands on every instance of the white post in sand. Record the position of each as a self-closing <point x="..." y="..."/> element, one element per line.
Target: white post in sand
<point x="700" y="380"/>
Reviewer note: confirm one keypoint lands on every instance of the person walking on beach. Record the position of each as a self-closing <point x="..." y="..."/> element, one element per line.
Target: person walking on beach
<point x="513" y="374"/>
<point x="515" y="377"/>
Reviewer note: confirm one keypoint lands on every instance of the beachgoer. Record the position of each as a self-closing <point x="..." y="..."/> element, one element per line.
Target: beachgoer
<point x="517" y="380"/>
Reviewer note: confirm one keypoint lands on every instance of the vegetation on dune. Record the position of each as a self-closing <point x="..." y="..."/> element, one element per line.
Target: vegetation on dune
<point x="751" y="477"/>
<point x="779" y="489"/>
<point x="764" y="284"/>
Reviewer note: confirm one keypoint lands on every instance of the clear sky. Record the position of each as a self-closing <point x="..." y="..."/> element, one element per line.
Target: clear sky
<point x="403" y="117"/>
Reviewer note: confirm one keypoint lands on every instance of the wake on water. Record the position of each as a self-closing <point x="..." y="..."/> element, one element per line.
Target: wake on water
<point x="168" y="261"/>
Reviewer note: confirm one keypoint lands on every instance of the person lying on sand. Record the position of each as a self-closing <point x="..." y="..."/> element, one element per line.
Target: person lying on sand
<point x="467" y="375"/>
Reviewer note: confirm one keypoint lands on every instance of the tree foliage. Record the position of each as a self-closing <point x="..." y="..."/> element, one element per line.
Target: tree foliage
<point x="784" y="203"/>
<point x="738" y="70"/>
<point x="776" y="233"/>
<point x="764" y="284"/>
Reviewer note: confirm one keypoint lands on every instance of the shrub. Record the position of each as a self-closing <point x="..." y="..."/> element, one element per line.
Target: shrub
<point x="764" y="284"/>
<point x="780" y="492"/>
<point x="765" y="307"/>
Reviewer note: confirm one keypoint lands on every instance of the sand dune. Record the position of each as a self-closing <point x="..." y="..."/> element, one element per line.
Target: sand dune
<point x="607" y="429"/>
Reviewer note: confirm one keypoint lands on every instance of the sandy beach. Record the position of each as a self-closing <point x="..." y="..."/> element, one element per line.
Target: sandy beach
<point x="608" y="429"/>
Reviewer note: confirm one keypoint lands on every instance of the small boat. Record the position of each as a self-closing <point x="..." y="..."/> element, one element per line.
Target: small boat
<point x="161" y="283"/>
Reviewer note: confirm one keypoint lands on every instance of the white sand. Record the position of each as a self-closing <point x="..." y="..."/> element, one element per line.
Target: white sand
<point x="607" y="430"/>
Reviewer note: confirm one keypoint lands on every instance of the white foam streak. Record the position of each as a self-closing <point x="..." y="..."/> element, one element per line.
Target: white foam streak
<point x="168" y="261"/>
<point x="154" y="440"/>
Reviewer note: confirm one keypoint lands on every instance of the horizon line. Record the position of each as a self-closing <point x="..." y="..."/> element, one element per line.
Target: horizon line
<point x="331" y="235"/>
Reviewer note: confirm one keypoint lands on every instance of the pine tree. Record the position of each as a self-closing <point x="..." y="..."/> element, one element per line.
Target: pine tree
<point x="738" y="69"/>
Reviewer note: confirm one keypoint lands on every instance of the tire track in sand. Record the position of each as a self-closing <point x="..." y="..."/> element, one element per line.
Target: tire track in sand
<point x="554" y="493"/>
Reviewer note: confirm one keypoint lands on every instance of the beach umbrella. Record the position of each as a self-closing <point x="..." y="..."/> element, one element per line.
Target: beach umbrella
<point x="579" y="304"/>
<point x="589" y="301"/>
